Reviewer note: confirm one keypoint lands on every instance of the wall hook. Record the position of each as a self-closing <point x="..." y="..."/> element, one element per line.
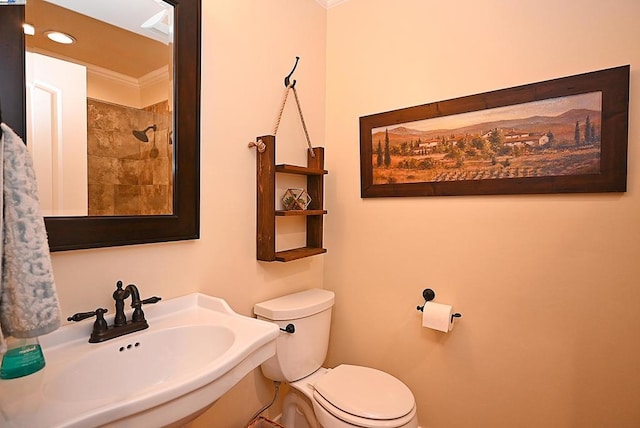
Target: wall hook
<point x="428" y="295"/>
<point x="287" y="79"/>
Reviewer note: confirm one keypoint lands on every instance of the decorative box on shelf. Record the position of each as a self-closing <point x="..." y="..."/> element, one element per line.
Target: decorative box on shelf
<point x="296" y="199"/>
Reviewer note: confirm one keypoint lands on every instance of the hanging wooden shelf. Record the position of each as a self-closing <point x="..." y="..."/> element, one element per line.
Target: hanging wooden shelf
<point x="266" y="170"/>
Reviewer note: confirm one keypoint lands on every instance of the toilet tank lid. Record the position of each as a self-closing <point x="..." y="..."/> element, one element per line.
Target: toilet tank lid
<point x="297" y="305"/>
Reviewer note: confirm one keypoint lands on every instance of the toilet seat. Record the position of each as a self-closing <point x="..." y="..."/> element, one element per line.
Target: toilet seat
<point x="346" y="420"/>
<point x="365" y="397"/>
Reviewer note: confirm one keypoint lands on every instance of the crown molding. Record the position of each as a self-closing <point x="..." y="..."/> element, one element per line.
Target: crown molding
<point x="328" y="4"/>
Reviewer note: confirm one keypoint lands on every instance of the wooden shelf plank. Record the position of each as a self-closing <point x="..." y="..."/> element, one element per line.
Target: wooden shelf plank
<point x="293" y="169"/>
<point x="298" y="253"/>
<point x="287" y="213"/>
<point x="266" y="206"/>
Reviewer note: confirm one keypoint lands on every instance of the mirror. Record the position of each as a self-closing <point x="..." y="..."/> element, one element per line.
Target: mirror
<point x="90" y="99"/>
<point x="66" y="233"/>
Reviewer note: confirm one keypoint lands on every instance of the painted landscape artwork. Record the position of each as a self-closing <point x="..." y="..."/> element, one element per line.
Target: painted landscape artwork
<point x="553" y="137"/>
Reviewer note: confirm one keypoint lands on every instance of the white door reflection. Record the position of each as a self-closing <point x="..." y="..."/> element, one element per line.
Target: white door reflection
<point x="57" y="133"/>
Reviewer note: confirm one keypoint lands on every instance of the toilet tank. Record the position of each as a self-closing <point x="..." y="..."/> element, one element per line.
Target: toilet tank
<point x="300" y="353"/>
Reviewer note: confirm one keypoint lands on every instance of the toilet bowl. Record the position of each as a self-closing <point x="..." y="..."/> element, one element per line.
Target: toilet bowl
<point x="363" y="397"/>
<point x="346" y="396"/>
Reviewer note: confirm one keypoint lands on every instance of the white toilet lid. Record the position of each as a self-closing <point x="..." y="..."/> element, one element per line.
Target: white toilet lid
<point x="365" y="392"/>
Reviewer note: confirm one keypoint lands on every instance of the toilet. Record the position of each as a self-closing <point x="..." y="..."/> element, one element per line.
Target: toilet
<point x="346" y="396"/>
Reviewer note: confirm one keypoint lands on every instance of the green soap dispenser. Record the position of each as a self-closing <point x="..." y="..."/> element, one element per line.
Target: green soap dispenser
<point x="23" y="357"/>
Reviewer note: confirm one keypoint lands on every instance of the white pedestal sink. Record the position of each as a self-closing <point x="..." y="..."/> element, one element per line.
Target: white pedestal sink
<point x="195" y="349"/>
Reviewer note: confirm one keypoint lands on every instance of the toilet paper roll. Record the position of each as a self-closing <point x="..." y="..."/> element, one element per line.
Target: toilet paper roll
<point x="438" y="316"/>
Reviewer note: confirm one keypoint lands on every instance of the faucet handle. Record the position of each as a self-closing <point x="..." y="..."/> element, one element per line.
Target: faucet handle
<point x="99" y="326"/>
<point x="154" y="299"/>
<point x="138" y="314"/>
<point x="84" y="315"/>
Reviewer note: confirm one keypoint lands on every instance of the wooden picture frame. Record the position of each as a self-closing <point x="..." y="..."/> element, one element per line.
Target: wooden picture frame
<point x="558" y="136"/>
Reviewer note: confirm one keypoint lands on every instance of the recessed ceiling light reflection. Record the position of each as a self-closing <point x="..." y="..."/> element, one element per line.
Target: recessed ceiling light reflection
<point x="28" y="29"/>
<point x="59" y="37"/>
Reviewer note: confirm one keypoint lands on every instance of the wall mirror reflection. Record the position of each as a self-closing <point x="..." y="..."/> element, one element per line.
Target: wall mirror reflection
<point x="100" y="105"/>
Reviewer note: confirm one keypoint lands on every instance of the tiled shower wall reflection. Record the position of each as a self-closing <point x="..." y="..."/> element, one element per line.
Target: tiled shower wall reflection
<point x="123" y="178"/>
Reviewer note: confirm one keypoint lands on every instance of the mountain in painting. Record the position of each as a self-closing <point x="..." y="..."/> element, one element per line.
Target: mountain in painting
<point x="562" y="126"/>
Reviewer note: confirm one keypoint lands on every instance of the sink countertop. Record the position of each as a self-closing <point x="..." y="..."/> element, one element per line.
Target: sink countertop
<point x="87" y="384"/>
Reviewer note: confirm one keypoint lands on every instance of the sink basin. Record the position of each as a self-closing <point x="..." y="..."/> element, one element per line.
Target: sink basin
<point x="195" y="349"/>
<point x="142" y="363"/>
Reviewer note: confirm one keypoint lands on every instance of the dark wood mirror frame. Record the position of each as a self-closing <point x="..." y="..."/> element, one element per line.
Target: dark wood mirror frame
<point x="70" y="233"/>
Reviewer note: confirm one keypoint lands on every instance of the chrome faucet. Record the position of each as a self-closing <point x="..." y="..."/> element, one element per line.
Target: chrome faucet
<point x="101" y="331"/>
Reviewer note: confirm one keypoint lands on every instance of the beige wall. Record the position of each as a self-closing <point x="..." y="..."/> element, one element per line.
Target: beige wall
<point x="547" y="284"/>
<point x="248" y="46"/>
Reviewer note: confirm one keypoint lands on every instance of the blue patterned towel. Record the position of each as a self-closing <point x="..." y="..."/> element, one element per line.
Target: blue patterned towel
<point x="28" y="302"/>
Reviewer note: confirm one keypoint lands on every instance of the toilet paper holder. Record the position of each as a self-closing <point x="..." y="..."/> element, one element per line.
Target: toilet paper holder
<point x="429" y="295"/>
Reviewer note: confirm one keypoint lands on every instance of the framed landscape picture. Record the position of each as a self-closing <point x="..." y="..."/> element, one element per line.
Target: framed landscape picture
<point x="557" y="136"/>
